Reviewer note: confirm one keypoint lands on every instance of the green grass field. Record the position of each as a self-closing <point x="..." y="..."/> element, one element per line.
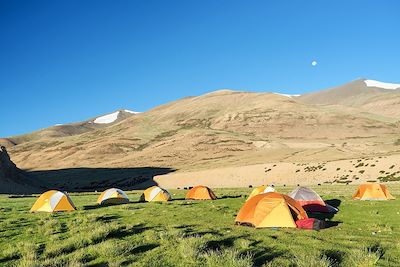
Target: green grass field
<point x="196" y="233"/>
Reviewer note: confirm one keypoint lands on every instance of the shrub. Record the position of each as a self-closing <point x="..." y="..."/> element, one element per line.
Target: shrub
<point x="364" y="257"/>
<point x="311" y="260"/>
<point x="228" y="258"/>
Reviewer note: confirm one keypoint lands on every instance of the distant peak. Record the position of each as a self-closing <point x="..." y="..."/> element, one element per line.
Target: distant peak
<point x="222" y="92"/>
<point x="383" y="85"/>
<point x="111" y="117"/>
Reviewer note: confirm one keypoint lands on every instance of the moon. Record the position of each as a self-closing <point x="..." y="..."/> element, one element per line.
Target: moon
<point x="314" y="63"/>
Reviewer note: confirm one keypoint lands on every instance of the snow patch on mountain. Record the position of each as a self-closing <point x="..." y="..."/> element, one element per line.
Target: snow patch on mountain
<point x="109" y="118"/>
<point x="287" y="95"/>
<point x="130" y="111"/>
<point x="389" y="86"/>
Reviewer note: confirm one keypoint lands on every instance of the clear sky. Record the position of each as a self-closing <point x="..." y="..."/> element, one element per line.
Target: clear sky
<point x="66" y="61"/>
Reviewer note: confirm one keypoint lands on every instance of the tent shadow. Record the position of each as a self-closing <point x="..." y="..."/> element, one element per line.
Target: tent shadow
<point x="225" y="197"/>
<point x="333" y="202"/>
<point x="90" y="179"/>
<point x="326" y="217"/>
<point x="98" y="206"/>
<point x="178" y="199"/>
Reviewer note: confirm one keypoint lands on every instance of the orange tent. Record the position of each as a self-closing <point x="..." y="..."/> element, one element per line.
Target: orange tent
<point x="53" y="201"/>
<point x="372" y="191"/>
<point x="200" y="192"/>
<point x="271" y="210"/>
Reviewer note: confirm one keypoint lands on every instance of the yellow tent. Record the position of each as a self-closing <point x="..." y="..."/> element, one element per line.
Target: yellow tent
<point x="112" y="196"/>
<point x="271" y="210"/>
<point x="261" y="190"/>
<point x="371" y="191"/>
<point x="53" y="201"/>
<point x="155" y="193"/>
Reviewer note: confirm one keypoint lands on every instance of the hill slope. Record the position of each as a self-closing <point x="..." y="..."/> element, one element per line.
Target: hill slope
<point x="216" y="130"/>
<point x="70" y="129"/>
<point x="366" y="95"/>
<point x="193" y="131"/>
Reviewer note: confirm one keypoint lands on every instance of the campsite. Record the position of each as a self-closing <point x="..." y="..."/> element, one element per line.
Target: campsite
<point x="211" y="133"/>
<point x="197" y="233"/>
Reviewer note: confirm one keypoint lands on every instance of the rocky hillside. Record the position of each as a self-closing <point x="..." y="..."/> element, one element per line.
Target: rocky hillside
<point x="12" y="179"/>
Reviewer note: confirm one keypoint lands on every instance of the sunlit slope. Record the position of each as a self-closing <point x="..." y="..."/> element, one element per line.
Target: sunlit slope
<point x="70" y="129"/>
<point x="219" y="128"/>
<point x="366" y="95"/>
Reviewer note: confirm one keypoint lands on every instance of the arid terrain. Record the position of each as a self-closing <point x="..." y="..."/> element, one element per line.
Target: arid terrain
<point x="346" y="134"/>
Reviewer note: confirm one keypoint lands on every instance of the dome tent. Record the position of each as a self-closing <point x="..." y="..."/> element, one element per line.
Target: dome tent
<point x="270" y="210"/>
<point x="155" y="193"/>
<point x="371" y="191"/>
<point x="53" y="201"/>
<point x="311" y="201"/>
<point x="112" y="196"/>
<point x="201" y="192"/>
<point x="261" y="190"/>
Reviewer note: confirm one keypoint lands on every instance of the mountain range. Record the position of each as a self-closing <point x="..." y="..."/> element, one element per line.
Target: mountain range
<point x="222" y="129"/>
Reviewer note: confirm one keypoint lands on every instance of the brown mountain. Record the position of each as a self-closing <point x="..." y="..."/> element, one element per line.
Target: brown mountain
<point x="70" y="129"/>
<point x="366" y="95"/>
<point x="220" y="129"/>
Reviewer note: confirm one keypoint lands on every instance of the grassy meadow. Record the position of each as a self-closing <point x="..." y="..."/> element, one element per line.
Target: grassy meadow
<point x="197" y="233"/>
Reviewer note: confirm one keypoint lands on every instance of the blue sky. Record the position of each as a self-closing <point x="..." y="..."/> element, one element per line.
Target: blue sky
<point x="66" y="61"/>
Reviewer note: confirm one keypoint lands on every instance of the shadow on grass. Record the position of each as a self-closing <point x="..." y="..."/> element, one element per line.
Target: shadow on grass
<point x="261" y="254"/>
<point x="188" y="230"/>
<point x="225" y="197"/>
<point x="333" y="202"/>
<point x="97" y="206"/>
<point x="144" y="248"/>
<point x="221" y="244"/>
<point x="9" y="258"/>
<point x="133" y="230"/>
<point x="335" y="257"/>
<point x="89" y="179"/>
<point x="178" y="199"/>
<point x="107" y="218"/>
<point x="138" y="250"/>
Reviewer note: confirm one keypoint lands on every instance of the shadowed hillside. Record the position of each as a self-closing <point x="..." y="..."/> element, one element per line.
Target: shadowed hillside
<point x="12" y="179"/>
<point x="89" y="179"/>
